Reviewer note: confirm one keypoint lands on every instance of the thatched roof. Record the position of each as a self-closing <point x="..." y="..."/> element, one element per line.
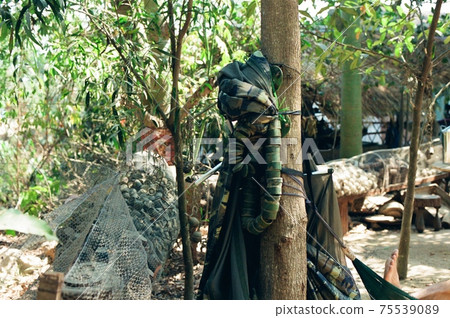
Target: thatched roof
<point x="377" y="100"/>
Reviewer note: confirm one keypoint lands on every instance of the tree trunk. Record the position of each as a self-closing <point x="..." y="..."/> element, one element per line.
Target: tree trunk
<point x="351" y="110"/>
<point x="401" y="117"/>
<point x="283" y="245"/>
<point x="423" y="82"/>
<point x="184" y="225"/>
<point x="174" y="124"/>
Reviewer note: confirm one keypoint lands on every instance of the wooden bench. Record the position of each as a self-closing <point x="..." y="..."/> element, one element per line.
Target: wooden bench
<point x="421" y="201"/>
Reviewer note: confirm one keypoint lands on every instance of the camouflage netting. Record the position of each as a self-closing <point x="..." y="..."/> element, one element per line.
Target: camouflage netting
<point x="383" y="169"/>
<point x="116" y="237"/>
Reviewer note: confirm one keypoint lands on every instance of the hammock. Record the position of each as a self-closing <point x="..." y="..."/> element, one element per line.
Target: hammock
<point x="377" y="287"/>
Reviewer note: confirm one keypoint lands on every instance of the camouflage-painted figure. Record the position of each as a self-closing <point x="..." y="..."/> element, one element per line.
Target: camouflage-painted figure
<point x="246" y="95"/>
<point x="247" y="194"/>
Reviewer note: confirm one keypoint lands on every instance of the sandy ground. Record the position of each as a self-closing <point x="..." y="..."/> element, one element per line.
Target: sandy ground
<point x="429" y="256"/>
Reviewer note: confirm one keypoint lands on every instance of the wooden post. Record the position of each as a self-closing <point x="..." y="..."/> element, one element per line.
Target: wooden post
<point x="50" y="286"/>
<point x="343" y="210"/>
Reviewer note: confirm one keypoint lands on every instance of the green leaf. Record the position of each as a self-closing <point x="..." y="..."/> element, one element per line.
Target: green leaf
<point x="447" y="40"/>
<point x="5" y="31"/>
<point x="15" y="220"/>
<point x="27" y="27"/>
<point x="408" y="44"/>
<point x="398" y="50"/>
<point x="354" y="64"/>
<point x="319" y="67"/>
<point x="388" y="8"/>
<point x="369" y="9"/>
<point x="41" y="4"/>
<point x="349" y="11"/>
<point x="208" y="85"/>
<point x="123" y="20"/>
<point x="306" y="14"/>
<point x="56" y="8"/>
<point x="370" y="70"/>
<point x="251" y="9"/>
<point x="323" y="9"/>
<point x="322" y="46"/>
<point x="318" y="50"/>
<point x="400" y="11"/>
<point x="382" y="80"/>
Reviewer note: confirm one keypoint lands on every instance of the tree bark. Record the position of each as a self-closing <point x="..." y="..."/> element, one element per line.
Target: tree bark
<point x="351" y="107"/>
<point x="423" y="82"/>
<point x="283" y="245"/>
<point x="401" y="117"/>
<point x="184" y="225"/>
<point x="174" y="124"/>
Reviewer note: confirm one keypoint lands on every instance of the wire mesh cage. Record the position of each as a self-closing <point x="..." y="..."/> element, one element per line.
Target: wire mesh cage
<point x="115" y="238"/>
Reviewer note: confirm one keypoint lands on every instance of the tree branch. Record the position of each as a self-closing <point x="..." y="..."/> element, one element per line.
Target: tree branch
<point x="127" y="63"/>
<point x="202" y="91"/>
<point x="369" y="52"/>
<point x="176" y="43"/>
<point x="443" y="89"/>
<point x="185" y="27"/>
<point x="172" y="36"/>
<point x="440" y="57"/>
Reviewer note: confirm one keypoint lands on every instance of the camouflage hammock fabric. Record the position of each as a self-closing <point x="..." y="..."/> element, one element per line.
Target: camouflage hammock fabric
<point x="246" y="91"/>
<point x="325" y="237"/>
<point x="327" y="279"/>
<point x="226" y="270"/>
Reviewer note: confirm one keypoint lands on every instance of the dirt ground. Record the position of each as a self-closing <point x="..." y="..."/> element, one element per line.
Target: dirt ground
<point x="429" y="256"/>
<point x="429" y="262"/>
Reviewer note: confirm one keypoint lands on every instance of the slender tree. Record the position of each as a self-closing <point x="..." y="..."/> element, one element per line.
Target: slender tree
<point x="283" y="245"/>
<point x="173" y="123"/>
<point x="351" y="106"/>
<point x="423" y="79"/>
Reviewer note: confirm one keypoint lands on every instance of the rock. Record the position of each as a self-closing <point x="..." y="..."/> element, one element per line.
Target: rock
<point x="138" y="205"/>
<point x="149" y="204"/>
<point x="392" y="208"/>
<point x="193" y="222"/>
<point x="196" y="237"/>
<point x="137" y="184"/>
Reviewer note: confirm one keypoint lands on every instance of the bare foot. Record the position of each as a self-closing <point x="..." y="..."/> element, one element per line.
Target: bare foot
<point x="390" y="269"/>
